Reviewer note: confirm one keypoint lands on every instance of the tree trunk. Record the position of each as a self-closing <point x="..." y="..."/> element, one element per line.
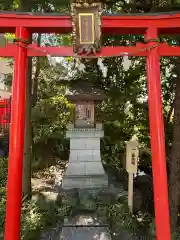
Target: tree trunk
<point x="36" y="76"/>
<point x="26" y="184"/>
<point x="174" y="177"/>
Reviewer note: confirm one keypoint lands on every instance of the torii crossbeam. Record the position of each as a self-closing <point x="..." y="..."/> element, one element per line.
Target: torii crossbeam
<point x="151" y="26"/>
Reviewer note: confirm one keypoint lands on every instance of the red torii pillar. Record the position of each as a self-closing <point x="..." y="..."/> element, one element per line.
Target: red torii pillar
<point x="159" y="168"/>
<point x="15" y="163"/>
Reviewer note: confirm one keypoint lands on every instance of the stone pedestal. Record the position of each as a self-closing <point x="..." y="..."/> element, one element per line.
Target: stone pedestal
<point x="85" y="169"/>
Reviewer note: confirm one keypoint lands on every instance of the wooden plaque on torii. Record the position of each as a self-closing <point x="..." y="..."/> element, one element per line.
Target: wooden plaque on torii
<point x="86" y="22"/>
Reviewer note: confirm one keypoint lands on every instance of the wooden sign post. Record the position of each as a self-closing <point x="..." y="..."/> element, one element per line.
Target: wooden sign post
<point x="132" y="154"/>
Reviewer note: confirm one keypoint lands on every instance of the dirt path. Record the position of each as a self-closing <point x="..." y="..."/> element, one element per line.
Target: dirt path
<point x="47" y="181"/>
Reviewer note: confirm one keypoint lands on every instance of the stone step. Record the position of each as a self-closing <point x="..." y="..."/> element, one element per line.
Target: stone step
<point x="84" y="227"/>
<point x="85" y="233"/>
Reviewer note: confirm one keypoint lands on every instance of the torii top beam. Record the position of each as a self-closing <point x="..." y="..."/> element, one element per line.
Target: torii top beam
<point x="166" y="23"/>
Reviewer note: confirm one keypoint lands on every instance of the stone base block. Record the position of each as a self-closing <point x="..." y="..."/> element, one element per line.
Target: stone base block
<point x="85" y="168"/>
<point x="84" y="181"/>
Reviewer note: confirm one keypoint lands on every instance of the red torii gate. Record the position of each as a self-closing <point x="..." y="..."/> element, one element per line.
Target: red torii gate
<point x="150" y="26"/>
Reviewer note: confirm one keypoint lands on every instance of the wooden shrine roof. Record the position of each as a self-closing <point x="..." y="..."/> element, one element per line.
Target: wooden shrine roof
<point x="83" y="90"/>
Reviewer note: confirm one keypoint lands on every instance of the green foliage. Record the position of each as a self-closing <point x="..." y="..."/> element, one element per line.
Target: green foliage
<point x="152" y="232"/>
<point x="35" y="218"/>
<point x="50" y="114"/>
<point x="49" y="118"/>
<point x="120" y="218"/>
<point x="3" y="181"/>
<point x="3" y="172"/>
<point x="2" y="210"/>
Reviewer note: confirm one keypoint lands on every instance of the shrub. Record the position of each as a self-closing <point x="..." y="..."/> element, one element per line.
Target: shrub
<point x="34" y="217"/>
<point x="3" y="171"/>
<point x="3" y="181"/>
<point x="120" y="219"/>
<point x="2" y="210"/>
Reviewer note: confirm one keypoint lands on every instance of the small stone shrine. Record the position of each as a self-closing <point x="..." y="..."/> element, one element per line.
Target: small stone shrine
<point x="85" y="170"/>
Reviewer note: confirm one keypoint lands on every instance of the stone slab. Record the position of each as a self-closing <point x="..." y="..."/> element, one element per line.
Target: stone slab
<point x="84" y="156"/>
<point x="91" y="168"/>
<point x="85" y="227"/>
<point x="85" y="220"/>
<point x="89" y="144"/>
<point x="85" y="233"/>
<point x="84" y="133"/>
<point x="84" y="181"/>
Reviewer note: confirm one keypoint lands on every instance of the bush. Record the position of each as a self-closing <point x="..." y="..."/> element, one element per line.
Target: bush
<point x="3" y="181"/>
<point x="120" y="219"/>
<point x="2" y="210"/>
<point x="152" y="232"/>
<point x="34" y="217"/>
<point x="3" y="171"/>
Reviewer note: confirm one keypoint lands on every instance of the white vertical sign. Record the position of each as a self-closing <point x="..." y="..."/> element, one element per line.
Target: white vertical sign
<point x="132" y="154"/>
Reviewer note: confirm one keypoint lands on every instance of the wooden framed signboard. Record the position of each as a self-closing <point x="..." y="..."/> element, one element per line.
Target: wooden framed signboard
<point x="86" y="23"/>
